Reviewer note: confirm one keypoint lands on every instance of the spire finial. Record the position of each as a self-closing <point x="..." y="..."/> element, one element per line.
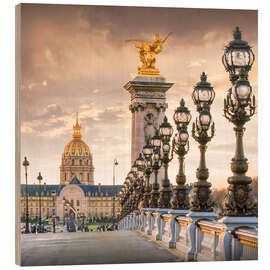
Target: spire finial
<point x="203" y="77"/>
<point x="237" y="33"/>
<point x="182" y="102"/>
<point x="77" y="128"/>
<point x="77" y="119"/>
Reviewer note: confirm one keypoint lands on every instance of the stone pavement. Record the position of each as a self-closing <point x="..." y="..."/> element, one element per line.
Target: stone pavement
<point x="92" y="248"/>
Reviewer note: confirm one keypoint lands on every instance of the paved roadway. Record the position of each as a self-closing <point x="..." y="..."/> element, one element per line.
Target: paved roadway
<point x="92" y="248"/>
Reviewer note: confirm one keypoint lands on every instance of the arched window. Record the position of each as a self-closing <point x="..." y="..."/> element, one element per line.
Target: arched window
<point x="72" y="162"/>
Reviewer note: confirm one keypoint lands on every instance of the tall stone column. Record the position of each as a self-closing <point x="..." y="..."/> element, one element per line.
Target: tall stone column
<point x="147" y="105"/>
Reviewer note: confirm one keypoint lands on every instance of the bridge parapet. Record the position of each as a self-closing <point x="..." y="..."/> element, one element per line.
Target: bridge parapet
<point x="202" y="239"/>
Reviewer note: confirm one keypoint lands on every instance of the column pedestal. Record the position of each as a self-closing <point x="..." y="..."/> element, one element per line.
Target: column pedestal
<point x="148" y="105"/>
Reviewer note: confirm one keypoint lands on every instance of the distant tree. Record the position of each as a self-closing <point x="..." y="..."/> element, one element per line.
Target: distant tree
<point x="254" y="186"/>
<point x="218" y="196"/>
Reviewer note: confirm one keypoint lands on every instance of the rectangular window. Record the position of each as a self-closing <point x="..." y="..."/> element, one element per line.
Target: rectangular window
<point x="80" y="176"/>
<point x="78" y="203"/>
<point x="71" y="201"/>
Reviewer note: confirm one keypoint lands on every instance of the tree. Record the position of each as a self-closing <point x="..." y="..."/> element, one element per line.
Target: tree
<point x="218" y="196"/>
<point x="254" y="186"/>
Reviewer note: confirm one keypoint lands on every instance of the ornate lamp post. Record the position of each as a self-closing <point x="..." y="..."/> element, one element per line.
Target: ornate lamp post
<point x="115" y="163"/>
<point x="130" y="192"/>
<point x="125" y="197"/>
<point x="156" y="164"/>
<point x="237" y="57"/>
<point x="239" y="107"/>
<point x="203" y="96"/>
<point x="39" y="178"/>
<point x="147" y="152"/>
<point x="166" y="132"/>
<point x="26" y="164"/>
<point x="53" y="214"/>
<point x="140" y="173"/>
<point x="180" y="146"/>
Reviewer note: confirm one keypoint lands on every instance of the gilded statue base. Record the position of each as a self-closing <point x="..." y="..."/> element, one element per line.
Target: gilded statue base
<point x="149" y="72"/>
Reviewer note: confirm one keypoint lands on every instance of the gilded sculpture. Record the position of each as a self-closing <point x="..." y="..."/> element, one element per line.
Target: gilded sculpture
<point x="147" y="54"/>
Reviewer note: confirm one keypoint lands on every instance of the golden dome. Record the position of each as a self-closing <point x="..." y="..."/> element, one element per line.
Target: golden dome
<point x="77" y="147"/>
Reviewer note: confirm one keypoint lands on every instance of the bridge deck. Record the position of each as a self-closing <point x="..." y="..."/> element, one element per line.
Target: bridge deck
<point x="92" y="248"/>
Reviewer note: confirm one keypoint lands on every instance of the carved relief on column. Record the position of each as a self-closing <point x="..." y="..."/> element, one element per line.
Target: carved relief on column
<point x="161" y="107"/>
<point x="150" y="125"/>
<point x="137" y="106"/>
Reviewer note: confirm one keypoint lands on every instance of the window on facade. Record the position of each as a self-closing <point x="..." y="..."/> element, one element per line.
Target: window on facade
<point x="88" y="177"/>
<point x="72" y="162"/>
<point x="87" y="162"/>
<point x="71" y="202"/>
<point x="78" y="203"/>
<point x="80" y="162"/>
<point x="65" y="176"/>
<point x="48" y="211"/>
<point x="80" y="176"/>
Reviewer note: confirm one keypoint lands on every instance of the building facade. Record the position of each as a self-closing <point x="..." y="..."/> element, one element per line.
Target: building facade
<point x="76" y="193"/>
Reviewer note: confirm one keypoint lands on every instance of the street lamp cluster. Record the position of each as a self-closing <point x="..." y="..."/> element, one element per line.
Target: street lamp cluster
<point x="239" y="107"/>
<point x="158" y="152"/>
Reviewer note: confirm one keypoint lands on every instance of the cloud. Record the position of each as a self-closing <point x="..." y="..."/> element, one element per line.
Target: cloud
<point x="194" y="64"/>
<point x="74" y="58"/>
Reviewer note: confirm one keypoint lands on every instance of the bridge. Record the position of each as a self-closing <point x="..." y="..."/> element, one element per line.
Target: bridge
<point x="93" y="248"/>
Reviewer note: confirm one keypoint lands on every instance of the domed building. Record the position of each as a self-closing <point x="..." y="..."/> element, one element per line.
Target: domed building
<point x="76" y="194"/>
<point x="77" y="159"/>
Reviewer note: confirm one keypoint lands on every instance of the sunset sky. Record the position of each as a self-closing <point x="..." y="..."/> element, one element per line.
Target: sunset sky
<point x="74" y="58"/>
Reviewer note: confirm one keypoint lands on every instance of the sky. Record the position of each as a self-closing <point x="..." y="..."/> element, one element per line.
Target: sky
<point x="74" y="58"/>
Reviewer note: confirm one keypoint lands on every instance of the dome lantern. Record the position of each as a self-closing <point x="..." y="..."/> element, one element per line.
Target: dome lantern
<point x="77" y="134"/>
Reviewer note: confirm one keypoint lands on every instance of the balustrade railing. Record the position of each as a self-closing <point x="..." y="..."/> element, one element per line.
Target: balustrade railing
<point x="203" y="240"/>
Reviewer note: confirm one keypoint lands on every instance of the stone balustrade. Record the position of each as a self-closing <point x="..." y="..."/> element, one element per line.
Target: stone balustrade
<point x="204" y="238"/>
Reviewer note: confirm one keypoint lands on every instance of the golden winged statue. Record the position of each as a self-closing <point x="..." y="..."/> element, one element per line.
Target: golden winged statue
<point x="147" y="54"/>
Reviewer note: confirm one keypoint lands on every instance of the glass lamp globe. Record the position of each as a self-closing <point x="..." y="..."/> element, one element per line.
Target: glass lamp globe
<point x="134" y="168"/>
<point x="238" y="55"/>
<point x="205" y="120"/>
<point x="148" y="150"/>
<point x="140" y="173"/>
<point x="242" y="92"/>
<point x="183" y="137"/>
<point x="166" y="148"/>
<point x="156" y="140"/>
<point x="182" y="115"/>
<point x="139" y="161"/>
<point x="166" y="129"/>
<point x="203" y="92"/>
<point x="156" y="157"/>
